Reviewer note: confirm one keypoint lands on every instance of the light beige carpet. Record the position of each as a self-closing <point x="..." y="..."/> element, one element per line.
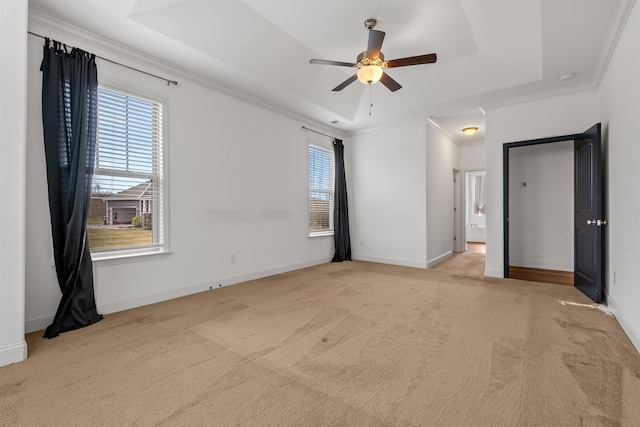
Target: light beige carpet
<point x="348" y="344"/>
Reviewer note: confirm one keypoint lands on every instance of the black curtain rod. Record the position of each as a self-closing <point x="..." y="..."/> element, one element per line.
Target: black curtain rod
<point x="320" y="133"/>
<point x="169" y="82"/>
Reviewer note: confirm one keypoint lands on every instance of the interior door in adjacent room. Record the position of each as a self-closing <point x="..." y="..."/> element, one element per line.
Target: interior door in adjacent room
<point x="588" y="221"/>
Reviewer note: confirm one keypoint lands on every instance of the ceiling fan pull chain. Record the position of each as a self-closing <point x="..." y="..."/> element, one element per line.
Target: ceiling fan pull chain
<point x="370" y="98"/>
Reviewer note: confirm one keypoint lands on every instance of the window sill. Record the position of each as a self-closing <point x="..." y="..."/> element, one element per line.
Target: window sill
<point x="122" y="257"/>
<point x="321" y="233"/>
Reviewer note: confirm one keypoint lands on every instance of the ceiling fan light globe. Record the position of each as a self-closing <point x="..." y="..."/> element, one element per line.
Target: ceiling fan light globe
<point x="369" y="74"/>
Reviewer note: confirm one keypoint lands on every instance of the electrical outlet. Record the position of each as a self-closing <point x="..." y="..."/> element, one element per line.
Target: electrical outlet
<point x="232" y="258"/>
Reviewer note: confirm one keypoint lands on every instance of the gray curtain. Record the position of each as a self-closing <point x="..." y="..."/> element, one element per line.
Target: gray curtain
<point x="69" y="118"/>
<point x="341" y="239"/>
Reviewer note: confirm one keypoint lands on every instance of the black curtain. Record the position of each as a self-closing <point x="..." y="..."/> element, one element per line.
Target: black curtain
<point x="341" y="238"/>
<point x="69" y="118"/>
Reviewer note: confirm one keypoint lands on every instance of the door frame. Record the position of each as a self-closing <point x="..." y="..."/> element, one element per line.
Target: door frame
<point x="458" y="230"/>
<point x="465" y="190"/>
<point x="505" y="184"/>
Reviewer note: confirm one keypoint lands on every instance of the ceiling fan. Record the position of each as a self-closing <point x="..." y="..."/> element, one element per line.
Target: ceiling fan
<point x="371" y="62"/>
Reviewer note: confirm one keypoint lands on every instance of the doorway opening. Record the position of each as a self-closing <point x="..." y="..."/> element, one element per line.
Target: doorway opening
<point x="475" y="211"/>
<point x="587" y="223"/>
<point x="541" y="213"/>
<point x="536" y="270"/>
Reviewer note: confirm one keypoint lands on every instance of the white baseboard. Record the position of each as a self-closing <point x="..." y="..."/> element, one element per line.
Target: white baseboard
<point x="439" y="259"/>
<point x="40" y="322"/>
<point x="404" y="262"/>
<point x="155" y="297"/>
<point x="627" y="327"/>
<point x="392" y="261"/>
<point x="490" y="272"/>
<point x="13" y="353"/>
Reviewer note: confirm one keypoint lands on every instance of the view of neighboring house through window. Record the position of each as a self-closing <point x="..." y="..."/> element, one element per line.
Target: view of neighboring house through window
<point x="321" y="186"/>
<point x="126" y="209"/>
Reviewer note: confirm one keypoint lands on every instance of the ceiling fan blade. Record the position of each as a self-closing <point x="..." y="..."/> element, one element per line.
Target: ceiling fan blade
<point x="412" y="60"/>
<point x="326" y="62"/>
<point x="375" y="44"/>
<point x="391" y="84"/>
<point x="346" y="83"/>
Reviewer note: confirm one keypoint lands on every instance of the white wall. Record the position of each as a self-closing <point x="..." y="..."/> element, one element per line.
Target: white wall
<point x="237" y="178"/>
<point x="401" y="205"/>
<point x="620" y="116"/>
<point x="539" y="118"/>
<point x="388" y="203"/>
<point x="443" y="156"/>
<point x="472" y="156"/>
<point x="13" y="27"/>
<point x="541" y="213"/>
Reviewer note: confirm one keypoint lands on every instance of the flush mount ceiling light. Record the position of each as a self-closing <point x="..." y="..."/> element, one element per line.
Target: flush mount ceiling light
<point x="470" y="131"/>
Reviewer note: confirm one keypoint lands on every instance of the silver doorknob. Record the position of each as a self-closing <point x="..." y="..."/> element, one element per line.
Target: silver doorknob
<point x="597" y="222"/>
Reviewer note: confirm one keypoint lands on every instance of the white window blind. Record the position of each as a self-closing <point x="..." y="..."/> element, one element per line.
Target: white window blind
<point x="126" y="210"/>
<point x="321" y="187"/>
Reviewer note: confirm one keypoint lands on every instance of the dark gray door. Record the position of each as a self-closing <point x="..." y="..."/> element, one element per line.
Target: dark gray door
<point x="588" y="219"/>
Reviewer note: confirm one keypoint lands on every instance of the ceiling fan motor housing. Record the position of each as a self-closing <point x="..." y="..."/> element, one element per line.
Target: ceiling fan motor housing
<point x="362" y="60"/>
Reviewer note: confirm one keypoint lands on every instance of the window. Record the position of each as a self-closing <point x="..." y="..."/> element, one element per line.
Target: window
<point x="321" y="176"/>
<point x="126" y="210"/>
<point x="479" y="195"/>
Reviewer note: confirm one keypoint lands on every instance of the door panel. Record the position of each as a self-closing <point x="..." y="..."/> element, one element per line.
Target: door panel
<point x="588" y="208"/>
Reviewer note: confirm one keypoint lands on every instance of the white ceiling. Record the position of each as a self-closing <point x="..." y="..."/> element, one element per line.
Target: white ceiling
<point x="488" y="50"/>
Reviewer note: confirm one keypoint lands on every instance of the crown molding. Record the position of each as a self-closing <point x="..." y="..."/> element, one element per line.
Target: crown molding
<point x="615" y="32"/>
<point x="585" y="87"/>
<point x="396" y="124"/>
<point x="434" y="124"/>
<point x="78" y="37"/>
<point x="613" y="37"/>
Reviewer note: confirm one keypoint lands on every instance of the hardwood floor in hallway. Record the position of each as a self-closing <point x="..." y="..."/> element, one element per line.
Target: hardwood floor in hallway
<point x="477" y="247"/>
